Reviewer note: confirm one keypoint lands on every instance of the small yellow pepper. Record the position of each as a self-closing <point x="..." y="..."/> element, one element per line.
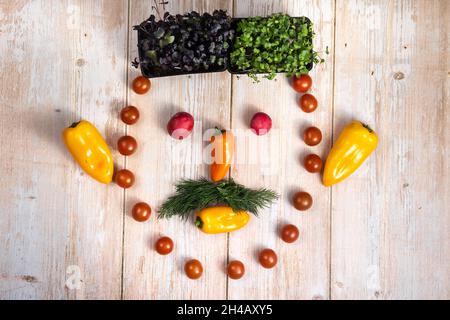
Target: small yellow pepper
<point x="355" y="144"/>
<point x="220" y="220"/>
<point x="90" y="150"/>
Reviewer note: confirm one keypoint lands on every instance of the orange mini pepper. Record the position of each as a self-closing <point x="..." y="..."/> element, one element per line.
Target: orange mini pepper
<point x="222" y="154"/>
<point x="90" y="150"/>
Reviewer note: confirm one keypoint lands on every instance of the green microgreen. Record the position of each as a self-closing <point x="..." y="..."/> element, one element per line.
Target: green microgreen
<point x="272" y="45"/>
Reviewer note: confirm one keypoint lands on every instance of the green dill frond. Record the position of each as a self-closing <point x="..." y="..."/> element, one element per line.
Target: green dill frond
<point x="195" y="195"/>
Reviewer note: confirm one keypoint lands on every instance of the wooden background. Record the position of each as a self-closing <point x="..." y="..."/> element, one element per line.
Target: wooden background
<point x="383" y="234"/>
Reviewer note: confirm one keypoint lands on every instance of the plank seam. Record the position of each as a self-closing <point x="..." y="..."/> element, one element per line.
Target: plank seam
<point x="233" y="6"/>
<point x="127" y="55"/>
<point x="227" y="297"/>
<point x="333" y="101"/>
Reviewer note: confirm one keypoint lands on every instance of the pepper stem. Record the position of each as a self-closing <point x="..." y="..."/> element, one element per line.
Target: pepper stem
<point x="75" y="124"/>
<point x="219" y="132"/>
<point x="198" y="223"/>
<point x="367" y="127"/>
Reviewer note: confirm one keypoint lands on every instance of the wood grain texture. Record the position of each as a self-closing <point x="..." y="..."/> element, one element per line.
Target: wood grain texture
<point x="162" y="161"/>
<point x="383" y="234"/>
<point x="275" y="161"/>
<point x="61" y="61"/>
<point x="391" y="221"/>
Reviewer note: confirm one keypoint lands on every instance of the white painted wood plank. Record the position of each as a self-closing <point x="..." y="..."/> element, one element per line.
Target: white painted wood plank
<point x="61" y="61"/>
<point x="275" y="161"/>
<point x="391" y="221"/>
<point x="159" y="164"/>
<point x="389" y="241"/>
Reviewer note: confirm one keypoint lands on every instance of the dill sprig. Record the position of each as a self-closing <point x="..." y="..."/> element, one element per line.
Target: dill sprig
<point x="195" y="195"/>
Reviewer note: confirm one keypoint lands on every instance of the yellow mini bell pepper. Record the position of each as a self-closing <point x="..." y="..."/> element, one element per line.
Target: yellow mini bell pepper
<point x="355" y="144"/>
<point x="90" y="151"/>
<point x="220" y="220"/>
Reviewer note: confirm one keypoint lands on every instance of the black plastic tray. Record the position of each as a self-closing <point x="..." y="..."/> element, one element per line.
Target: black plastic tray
<point x="148" y="74"/>
<point x="227" y="67"/>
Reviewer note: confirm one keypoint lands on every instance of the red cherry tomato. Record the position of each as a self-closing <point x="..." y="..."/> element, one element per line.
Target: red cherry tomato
<point x="302" y="84"/>
<point x="141" y="85"/>
<point x="125" y="179"/>
<point x="313" y="163"/>
<point x="141" y="212"/>
<point x="236" y="270"/>
<point x="308" y="103"/>
<point x="193" y="269"/>
<point x="312" y="136"/>
<point x="127" y="145"/>
<point x="130" y="115"/>
<point x="289" y="233"/>
<point x="302" y="201"/>
<point x="268" y="258"/>
<point x="164" y="246"/>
